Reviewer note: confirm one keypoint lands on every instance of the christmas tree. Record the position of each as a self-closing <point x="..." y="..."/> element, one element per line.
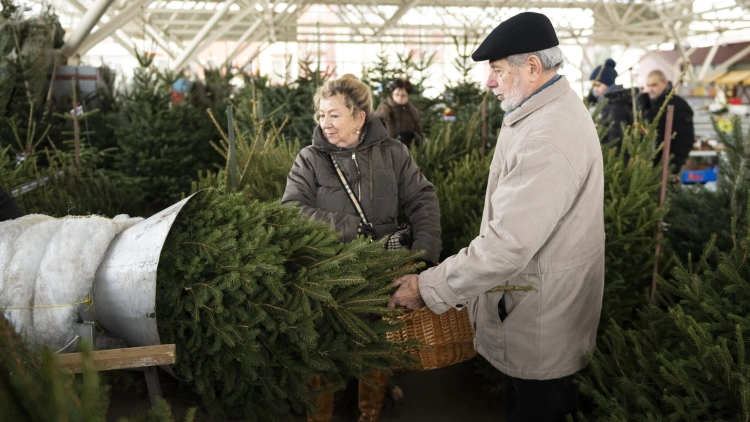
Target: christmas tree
<point x="57" y="182"/>
<point x="288" y="106"/>
<point x="697" y="213"/>
<point x="418" y="69"/>
<point x="262" y="162"/>
<point x="631" y="219"/>
<point x="453" y="161"/>
<point x="258" y="299"/>
<point x="685" y="358"/>
<point x="34" y="388"/>
<point x="26" y="52"/>
<point x="461" y="193"/>
<point x="379" y="77"/>
<point x="164" y="144"/>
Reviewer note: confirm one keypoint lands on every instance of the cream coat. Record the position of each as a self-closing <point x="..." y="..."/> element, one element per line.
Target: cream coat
<point x="542" y="227"/>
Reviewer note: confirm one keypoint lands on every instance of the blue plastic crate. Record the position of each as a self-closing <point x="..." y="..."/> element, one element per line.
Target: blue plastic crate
<point x="699" y="176"/>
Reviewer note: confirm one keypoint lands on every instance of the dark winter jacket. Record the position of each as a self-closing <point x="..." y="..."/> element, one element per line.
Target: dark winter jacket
<point x="381" y="173"/>
<point x="8" y="208"/>
<point x="402" y="121"/>
<point x="617" y="111"/>
<point x="682" y="126"/>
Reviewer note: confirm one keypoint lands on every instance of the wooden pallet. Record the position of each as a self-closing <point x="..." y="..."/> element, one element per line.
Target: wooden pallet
<point x="128" y="358"/>
<point x="144" y="359"/>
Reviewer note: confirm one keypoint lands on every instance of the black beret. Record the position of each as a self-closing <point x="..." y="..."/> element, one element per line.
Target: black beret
<point x="526" y="32"/>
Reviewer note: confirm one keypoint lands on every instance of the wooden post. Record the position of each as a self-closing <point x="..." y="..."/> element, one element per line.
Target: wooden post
<point x="51" y="90"/>
<point x="232" y="151"/>
<point x="663" y="194"/>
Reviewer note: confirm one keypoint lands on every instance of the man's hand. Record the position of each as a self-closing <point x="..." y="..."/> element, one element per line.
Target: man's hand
<point x="407" y="295"/>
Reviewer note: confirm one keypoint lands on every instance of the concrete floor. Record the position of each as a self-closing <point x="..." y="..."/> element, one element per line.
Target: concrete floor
<point x="452" y="394"/>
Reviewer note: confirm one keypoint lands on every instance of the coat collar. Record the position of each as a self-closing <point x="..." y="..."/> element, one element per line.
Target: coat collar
<point x="660" y="99"/>
<point x="538" y="100"/>
<point x="394" y="105"/>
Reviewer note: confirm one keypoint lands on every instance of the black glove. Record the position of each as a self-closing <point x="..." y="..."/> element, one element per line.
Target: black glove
<point x="8" y="208"/>
<point x="591" y="98"/>
<point x="406" y="136"/>
<point x="427" y="264"/>
<point x="365" y="230"/>
<point x="643" y="101"/>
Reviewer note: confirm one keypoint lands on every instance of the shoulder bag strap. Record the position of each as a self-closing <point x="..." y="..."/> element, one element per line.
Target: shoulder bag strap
<point x="353" y="198"/>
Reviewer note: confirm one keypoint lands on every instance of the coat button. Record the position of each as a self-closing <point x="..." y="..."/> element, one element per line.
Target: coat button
<point x="460" y="305"/>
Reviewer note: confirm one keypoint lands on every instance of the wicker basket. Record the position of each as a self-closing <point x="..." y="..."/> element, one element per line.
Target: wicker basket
<point x="447" y="339"/>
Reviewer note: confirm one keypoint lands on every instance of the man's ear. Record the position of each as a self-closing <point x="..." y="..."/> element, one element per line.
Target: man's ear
<point x="535" y="67"/>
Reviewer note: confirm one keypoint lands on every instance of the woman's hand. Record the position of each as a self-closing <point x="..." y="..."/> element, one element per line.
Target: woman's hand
<point x="365" y="230"/>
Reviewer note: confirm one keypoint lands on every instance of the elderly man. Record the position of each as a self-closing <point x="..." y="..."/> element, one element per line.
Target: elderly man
<point x="657" y="90"/>
<point x="533" y="279"/>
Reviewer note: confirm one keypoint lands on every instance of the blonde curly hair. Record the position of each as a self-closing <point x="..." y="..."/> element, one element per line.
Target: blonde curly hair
<point x="355" y="94"/>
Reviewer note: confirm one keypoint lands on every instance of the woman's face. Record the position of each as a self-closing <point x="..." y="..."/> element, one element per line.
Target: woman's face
<point x="339" y="127"/>
<point x="400" y="96"/>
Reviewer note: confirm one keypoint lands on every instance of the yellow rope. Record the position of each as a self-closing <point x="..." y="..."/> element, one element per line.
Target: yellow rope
<point x="89" y="300"/>
<point x="511" y="289"/>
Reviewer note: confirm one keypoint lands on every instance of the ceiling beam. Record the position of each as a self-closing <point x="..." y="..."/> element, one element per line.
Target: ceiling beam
<point x="482" y="4"/>
<point x="83" y="29"/>
<point x="189" y="52"/>
<point x="265" y="41"/>
<point x="347" y="25"/>
<point x="225" y="28"/>
<point x="240" y="44"/>
<point x="119" y="36"/>
<point x="160" y="40"/>
<point x="283" y="17"/>
<point x="116" y="22"/>
<point x="722" y="68"/>
<point x="709" y="59"/>
<point x="397" y="15"/>
<point x="262" y="47"/>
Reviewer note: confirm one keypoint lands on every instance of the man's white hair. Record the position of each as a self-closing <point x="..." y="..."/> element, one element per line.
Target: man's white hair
<point x="551" y="58"/>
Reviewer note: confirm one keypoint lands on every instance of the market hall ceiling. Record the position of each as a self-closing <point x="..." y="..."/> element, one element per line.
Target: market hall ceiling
<point x="184" y="28"/>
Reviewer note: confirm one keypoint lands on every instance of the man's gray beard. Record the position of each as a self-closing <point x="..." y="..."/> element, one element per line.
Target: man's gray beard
<point x="513" y="97"/>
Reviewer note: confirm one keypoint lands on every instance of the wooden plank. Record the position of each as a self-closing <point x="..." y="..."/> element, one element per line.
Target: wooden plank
<point x="131" y="357"/>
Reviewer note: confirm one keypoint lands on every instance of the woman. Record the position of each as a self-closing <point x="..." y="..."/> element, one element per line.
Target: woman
<point x="401" y="117"/>
<point x="381" y="175"/>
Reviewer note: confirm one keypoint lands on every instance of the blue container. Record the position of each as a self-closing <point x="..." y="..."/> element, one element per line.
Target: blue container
<point x="699" y="176"/>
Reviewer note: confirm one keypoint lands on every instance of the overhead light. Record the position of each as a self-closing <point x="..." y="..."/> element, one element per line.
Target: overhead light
<point x="666" y="46"/>
<point x="258" y="7"/>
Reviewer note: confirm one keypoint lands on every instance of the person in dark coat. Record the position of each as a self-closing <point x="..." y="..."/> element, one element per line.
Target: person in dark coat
<point x="657" y="90"/>
<point x="8" y="208"/>
<point x="381" y="174"/>
<point x="402" y="119"/>
<point x="619" y="107"/>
